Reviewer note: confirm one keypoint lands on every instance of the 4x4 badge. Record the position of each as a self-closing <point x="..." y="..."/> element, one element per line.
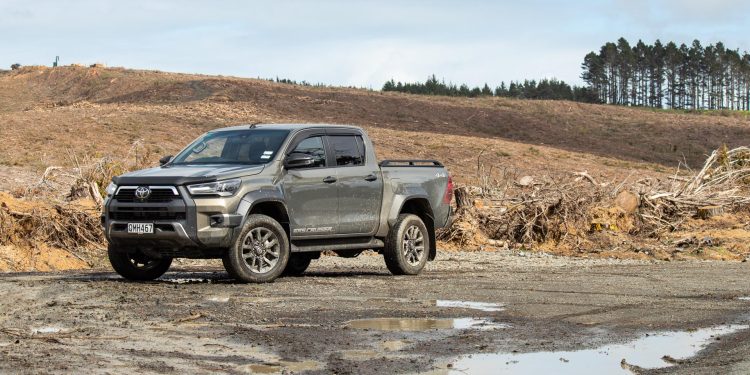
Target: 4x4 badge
<point x="142" y="192"/>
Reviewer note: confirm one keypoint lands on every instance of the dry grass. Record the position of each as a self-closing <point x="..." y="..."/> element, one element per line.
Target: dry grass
<point x="144" y="104"/>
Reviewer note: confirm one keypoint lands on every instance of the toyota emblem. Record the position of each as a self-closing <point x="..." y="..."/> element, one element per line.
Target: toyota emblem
<point x="142" y="192"/>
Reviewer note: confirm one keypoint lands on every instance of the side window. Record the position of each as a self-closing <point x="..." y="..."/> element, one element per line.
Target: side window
<point x="361" y="147"/>
<point x="348" y="151"/>
<point x="313" y="146"/>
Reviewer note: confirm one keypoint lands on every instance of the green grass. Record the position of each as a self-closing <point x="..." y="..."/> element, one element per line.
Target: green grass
<point x="533" y="151"/>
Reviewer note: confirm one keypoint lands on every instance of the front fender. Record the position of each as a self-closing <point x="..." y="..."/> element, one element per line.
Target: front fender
<point x="253" y="198"/>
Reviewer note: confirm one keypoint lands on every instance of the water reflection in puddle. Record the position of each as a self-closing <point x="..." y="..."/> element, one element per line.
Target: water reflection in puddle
<point x="645" y="352"/>
<point x="482" y="306"/>
<point x="424" y="324"/>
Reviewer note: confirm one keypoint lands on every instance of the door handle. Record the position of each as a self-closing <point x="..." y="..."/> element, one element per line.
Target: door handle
<point x="371" y="177"/>
<point x="329" y="180"/>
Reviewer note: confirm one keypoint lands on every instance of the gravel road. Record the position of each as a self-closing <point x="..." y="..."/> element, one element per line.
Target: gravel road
<point x="467" y="313"/>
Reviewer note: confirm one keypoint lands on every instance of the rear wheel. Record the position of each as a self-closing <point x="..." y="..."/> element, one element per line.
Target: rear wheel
<point x="297" y="264"/>
<point x="137" y="266"/>
<point x="407" y="246"/>
<point x="260" y="253"/>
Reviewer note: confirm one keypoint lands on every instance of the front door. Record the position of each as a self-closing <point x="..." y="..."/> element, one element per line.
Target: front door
<point x="360" y="186"/>
<point x="311" y="193"/>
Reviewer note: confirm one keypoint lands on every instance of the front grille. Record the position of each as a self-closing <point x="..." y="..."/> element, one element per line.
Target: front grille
<point x="158" y="195"/>
<point x="146" y="214"/>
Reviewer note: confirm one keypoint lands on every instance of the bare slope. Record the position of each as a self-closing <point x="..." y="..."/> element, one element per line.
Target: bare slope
<point x="623" y="133"/>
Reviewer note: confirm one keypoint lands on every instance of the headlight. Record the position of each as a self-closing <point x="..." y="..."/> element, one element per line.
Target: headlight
<point x="221" y="188"/>
<point x="111" y="189"/>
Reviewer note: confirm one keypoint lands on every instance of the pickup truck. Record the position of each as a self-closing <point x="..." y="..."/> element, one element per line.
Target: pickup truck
<point x="267" y="199"/>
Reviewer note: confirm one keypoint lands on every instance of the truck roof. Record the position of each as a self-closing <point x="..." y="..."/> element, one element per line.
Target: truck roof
<point x="287" y="126"/>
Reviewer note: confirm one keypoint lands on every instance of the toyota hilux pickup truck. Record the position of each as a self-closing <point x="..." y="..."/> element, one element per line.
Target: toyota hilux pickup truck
<point x="267" y="199"/>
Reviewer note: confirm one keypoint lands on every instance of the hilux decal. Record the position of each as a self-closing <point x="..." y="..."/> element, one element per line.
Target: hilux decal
<point x="313" y="230"/>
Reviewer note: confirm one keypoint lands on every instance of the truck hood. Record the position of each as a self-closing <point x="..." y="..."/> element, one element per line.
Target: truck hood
<point x="186" y="174"/>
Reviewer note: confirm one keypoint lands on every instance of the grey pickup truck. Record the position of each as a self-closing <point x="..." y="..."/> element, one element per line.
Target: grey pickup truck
<point x="268" y="199"/>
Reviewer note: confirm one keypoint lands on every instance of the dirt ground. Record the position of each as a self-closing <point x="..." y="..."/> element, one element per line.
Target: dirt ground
<point x="197" y="320"/>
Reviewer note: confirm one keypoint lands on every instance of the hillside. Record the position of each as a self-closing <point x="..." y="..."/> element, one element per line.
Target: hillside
<point x="70" y="106"/>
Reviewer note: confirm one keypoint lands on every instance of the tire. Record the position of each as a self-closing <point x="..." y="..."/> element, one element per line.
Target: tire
<point x="260" y="253"/>
<point x="297" y="264"/>
<point x="136" y="266"/>
<point x="407" y="246"/>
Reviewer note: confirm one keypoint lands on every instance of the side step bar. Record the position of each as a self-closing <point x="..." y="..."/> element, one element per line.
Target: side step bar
<point x="302" y="246"/>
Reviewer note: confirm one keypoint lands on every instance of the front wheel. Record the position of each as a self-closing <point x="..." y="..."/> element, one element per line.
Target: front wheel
<point x="407" y="246"/>
<point x="260" y="253"/>
<point x="137" y="266"/>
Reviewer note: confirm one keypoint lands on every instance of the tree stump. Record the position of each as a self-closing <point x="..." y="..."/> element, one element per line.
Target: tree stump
<point x="463" y="200"/>
<point x="706" y="212"/>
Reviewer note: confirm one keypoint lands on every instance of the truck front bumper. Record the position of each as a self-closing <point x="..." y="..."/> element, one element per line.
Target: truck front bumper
<point x="183" y="227"/>
<point x="165" y="235"/>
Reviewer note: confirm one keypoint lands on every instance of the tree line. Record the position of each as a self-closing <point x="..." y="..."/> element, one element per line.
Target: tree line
<point x="551" y="89"/>
<point x="669" y="76"/>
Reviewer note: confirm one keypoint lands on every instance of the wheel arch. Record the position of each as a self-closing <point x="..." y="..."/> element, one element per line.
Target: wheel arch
<point x="420" y="206"/>
<point x="269" y="205"/>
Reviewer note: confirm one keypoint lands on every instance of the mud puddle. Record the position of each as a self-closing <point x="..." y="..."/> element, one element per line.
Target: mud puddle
<point x="650" y="351"/>
<point x="424" y="324"/>
<point x="283" y="367"/>
<point x="481" y="306"/>
<point x="187" y="280"/>
<point x="48" y="330"/>
<point x="218" y="299"/>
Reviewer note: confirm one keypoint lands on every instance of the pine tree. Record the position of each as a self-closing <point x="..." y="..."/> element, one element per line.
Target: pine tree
<point x="486" y="91"/>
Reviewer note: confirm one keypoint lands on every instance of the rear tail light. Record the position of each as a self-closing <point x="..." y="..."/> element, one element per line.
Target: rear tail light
<point x="448" y="191"/>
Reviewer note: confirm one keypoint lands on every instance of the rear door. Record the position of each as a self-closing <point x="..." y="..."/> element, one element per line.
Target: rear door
<point x="311" y="193"/>
<point x="360" y="185"/>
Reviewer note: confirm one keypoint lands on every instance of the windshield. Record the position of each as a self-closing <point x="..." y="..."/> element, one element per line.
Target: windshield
<point x="246" y="146"/>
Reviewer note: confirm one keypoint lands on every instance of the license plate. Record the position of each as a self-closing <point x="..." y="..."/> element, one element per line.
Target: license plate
<point x="140" y="228"/>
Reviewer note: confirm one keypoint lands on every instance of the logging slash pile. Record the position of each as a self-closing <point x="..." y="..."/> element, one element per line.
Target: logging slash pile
<point x="575" y="214"/>
<point x="42" y="235"/>
<point x="53" y="224"/>
<point x="722" y="184"/>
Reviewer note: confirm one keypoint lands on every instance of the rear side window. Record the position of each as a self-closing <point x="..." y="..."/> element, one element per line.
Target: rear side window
<point x="349" y="150"/>
<point x="313" y="146"/>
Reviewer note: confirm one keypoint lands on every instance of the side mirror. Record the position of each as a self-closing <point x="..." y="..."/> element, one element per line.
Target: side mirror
<point x="165" y="160"/>
<point x="298" y="160"/>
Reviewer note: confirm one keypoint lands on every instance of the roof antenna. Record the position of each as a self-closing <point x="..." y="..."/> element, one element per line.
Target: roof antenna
<point x="253" y="124"/>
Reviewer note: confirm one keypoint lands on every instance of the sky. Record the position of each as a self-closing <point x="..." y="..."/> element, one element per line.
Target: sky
<point x="356" y="43"/>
